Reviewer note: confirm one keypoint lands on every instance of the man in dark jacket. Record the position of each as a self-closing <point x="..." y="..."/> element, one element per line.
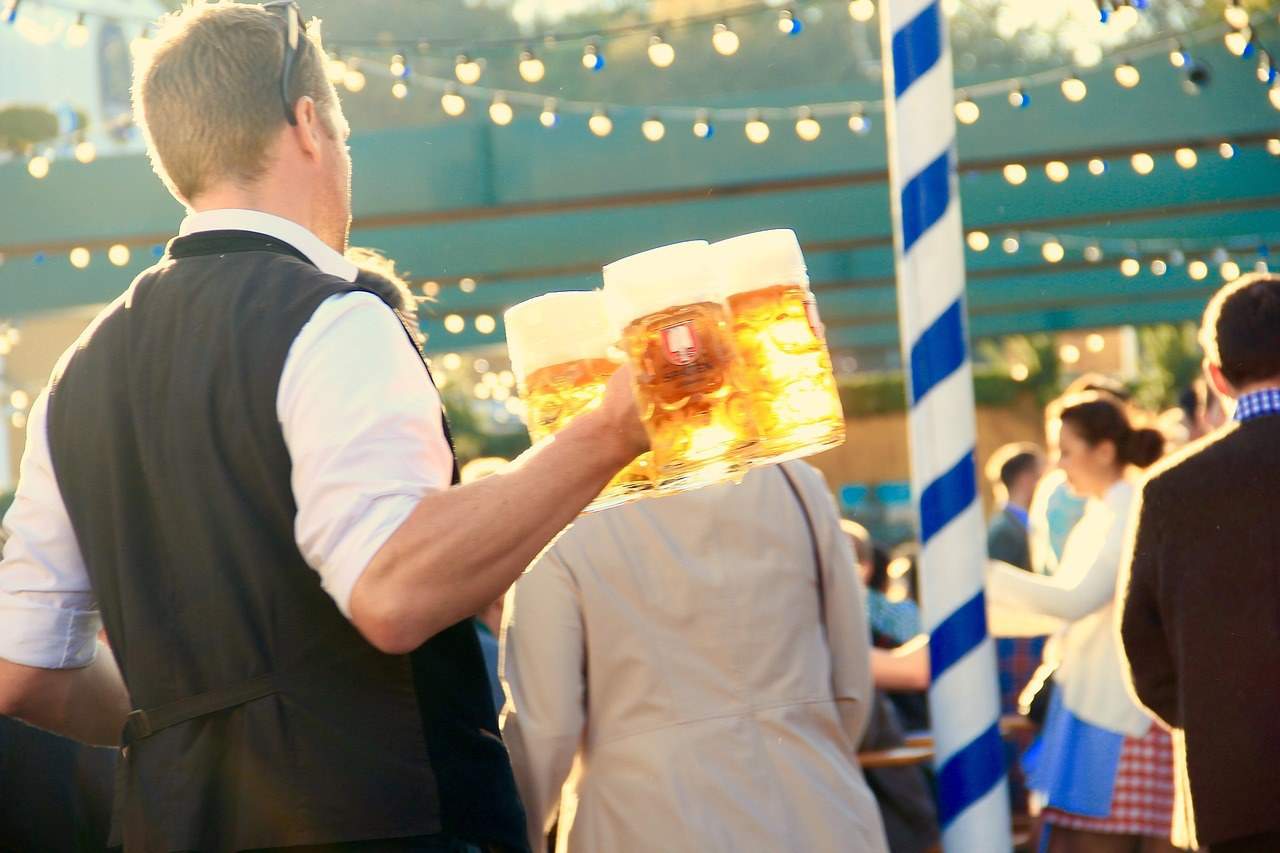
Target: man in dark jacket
<point x="1201" y="622"/>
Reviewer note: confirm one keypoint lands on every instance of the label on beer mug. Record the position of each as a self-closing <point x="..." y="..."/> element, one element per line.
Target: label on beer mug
<point x="680" y="343"/>
<point x="815" y="322"/>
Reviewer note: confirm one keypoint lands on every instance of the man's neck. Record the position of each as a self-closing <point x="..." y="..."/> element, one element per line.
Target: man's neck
<point x="293" y="208"/>
<point x="1272" y="384"/>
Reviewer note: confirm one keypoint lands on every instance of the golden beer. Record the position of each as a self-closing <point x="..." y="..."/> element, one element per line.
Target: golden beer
<point x="683" y="364"/>
<point x="786" y="376"/>
<point x="559" y="345"/>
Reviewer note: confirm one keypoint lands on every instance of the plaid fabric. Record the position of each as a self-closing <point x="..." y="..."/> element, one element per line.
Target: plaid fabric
<point x="1142" y="800"/>
<point x="1264" y="402"/>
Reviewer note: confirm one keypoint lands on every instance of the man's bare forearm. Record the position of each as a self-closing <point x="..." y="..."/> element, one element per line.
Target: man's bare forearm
<point x="462" y="548"/>
<point x="88" y="704"/>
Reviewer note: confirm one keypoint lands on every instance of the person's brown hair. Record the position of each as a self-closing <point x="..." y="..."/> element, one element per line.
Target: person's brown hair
<point x="1240" y="334"/>
<point x="206" y="92"/>
<point x="1098" y="416"/>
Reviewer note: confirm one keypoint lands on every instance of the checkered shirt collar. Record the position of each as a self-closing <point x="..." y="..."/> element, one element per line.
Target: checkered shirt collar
<point x="1257" y="404"/>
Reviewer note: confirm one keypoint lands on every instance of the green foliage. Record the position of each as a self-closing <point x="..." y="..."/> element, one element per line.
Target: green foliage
<point x="1170" y="359"/>
<point x="474" y="435"/>
<point x="885" y="393"/>
<point x="21" y="127"/>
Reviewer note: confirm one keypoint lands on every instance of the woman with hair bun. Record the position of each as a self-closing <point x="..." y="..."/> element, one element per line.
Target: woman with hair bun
<point x="1102" y="768"/>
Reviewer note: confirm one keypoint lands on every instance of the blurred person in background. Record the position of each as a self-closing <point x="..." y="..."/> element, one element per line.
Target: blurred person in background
<point x="690" y="673"/>
<point x="1200" y="623"/>
<point x="1103" y="767"/>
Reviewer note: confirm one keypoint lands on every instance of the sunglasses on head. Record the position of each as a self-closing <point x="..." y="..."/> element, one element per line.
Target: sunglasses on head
<point x="292" y="43"/>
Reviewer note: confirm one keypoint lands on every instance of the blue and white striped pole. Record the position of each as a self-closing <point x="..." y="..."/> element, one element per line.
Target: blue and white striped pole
<point x="929" y="254"/>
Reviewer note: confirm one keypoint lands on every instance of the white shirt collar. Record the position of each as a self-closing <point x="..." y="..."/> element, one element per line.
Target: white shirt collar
<point x="237" y="219"/>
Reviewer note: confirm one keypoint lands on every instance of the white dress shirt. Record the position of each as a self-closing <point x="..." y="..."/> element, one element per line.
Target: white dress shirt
<point x="364" y="435"/>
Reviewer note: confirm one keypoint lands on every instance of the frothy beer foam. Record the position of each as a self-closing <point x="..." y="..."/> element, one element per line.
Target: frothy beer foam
<point x="754" y="261"/>
<point x="653" y="281"/>
<point x="556" y="328"/>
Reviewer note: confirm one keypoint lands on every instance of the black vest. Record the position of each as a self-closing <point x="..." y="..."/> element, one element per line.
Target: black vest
<point x="173" y="467"/>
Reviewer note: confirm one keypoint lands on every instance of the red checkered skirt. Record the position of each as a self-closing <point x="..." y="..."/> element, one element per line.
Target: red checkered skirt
<point x="1142" y="799"/>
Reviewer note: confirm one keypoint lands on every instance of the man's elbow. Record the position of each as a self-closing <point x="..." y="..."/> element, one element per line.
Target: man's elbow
<point x="391" y="622"/>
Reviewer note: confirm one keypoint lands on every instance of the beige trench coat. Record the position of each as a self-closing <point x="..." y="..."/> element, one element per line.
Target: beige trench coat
<point x="674" y="683"/>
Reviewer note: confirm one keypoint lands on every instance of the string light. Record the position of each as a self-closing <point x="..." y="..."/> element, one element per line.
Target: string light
<point x="859" y="124"/>
<point x="399" y="90"/>
<point x="485" y="324"/>
<point x="20" y="399"/>
<point x="431" y="289"/>
<point x="592" y="58"/>
<point x="80" y="257"/>
<point x="1074" y="89"/>
<point x="724" y="40"/>
<point x="1226" y="150"/>
<point x="1273" y="147"/>
<point x="531" y="68"/>
<point x="1266" y="68"/>
<point x="653" y="129"/>
<point x="1019" y="99"/>
<point x="1198" y="269"/>
<point x="1159" y="267"/>
<point x="549" y="117"/>
<point x="467" y="70"/>
<point x="336" y="69"/>
<point x="788" y="23"/>
<point x="1274" y="94"/>
<point x="452" y="103"/>
<point x="86" y="152"/>
<point x="1178" y="57"/>
<point x="862" y="10"/>
<point x="1069" y="353"/>
<point x="118" y="254"/>
<point x="1057" y="171"/>
<point x="1097" y="166"/>
<point x="978" y="241"/>
<point x="1127" y="75"/>
<point x="10" y="13"/>
<point x="1124" y="18"/>
<point x="1186" y="158"/>
<point x="1053" y="251"/>
<point x="451" y="361"/>
<point x="354" y="80"/>
<point x="1093" y="253"/>
<point x="1015" y="173"/>
<point x="967" y="112"/>
<point x="1143" y="163"/>
<point x="1130" y="267"/>
<point x="600" y="124"/>
<point x="78" y="33"/>
<point x="1237" y="16"/>
<point x="661" y="53"/>
<point x="1237" y="41"/>
<point x="807" y="127"/>
<point x="702" y="127"/>
<point x="1095" y="343"/>
<point x="1229" y="270"/>
<point x="397" y="66"/>
<point x="756" y="129"/>
<point x="500" y="111"/>
<point x="467" y="285"/>
<point x="454" y="324"/>
<point x="38" y="166"/>
<point x="1009" y="244"/>
<point x="1019" y="372"/>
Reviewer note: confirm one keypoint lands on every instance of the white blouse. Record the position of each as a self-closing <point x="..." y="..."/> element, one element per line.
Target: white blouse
<point x="1079" y="600"/>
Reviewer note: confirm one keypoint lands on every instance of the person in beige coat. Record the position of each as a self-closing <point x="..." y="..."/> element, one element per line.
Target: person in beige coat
<point x="691" y="674"/>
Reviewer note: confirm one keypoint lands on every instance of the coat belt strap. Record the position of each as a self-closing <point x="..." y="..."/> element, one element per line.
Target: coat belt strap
<point x="144" y="723"/>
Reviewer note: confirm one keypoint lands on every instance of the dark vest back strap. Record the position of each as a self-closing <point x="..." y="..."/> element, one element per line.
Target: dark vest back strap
<point x="144" y="723"/>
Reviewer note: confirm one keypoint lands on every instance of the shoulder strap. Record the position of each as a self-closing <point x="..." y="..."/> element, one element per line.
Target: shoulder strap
<point x="813" y="535"/>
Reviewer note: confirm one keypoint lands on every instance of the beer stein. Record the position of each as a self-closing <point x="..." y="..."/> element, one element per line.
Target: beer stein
<point x="665" y="306"/>
<point x="785" y="376"/>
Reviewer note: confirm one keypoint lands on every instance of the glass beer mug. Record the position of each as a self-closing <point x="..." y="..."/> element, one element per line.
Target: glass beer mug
<point x="559" y="346"/>
<point x="786" y="376"/>
<point x="674" y="328"/>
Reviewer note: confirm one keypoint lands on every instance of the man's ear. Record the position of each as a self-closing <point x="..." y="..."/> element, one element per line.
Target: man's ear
<point x="1218" y="382"/>
<point x="308" y="130"/>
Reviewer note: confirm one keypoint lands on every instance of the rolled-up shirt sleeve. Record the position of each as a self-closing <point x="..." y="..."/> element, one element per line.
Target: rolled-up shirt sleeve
<point x="362" y="423"/>
<point x="48" y="612"/>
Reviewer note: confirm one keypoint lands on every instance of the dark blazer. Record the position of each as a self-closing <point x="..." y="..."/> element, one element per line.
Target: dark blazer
<point x="1201" y="625"/>
<point x="1007" y="540"/>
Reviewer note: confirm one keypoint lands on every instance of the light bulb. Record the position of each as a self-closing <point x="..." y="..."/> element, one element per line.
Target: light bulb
<point x="978" y="241"/>
<point x="467" y="285"/>
<point x="500" y="111"/>
<point x="1015" y="173"/>
<point x="1178" y="57"/>
<point x="1266" y="71"/>
<point x="756" y="129"/>
<point x="1127" y="75"/>
<point x="1186" y="157"/>
<point x="1130" y="267"/>
<point x="1019" y="372"/>
<point x="354" y="80"/>
<point x="78" y="33"/>
<point x="1159" y="267"/>
<point x="467" y="70"/>
<point x="1069" y="353"/>
<point x="452" y="103"/>
<point x="1097" y="166"/>
<point x="788" y="23"/>
<point x="397" y="66"/>
<point x="807" y="127"/>
<point x="485" y="324"/>
<point x="702" y="126"/>
<point x="661" y="53"/>
<point x="548" y="116"/>
<point x="859" y="123"/>
<point x="1237" y="16"/>
<point x="399" y="90"/>
<point x="38" y="166"/>
<point x="80" y="257"/>
<point x="592" y="58"/>
<point x="967" y="112"/>
<point x="600" y="124"/>
<point x="336" y="69"/>
<point x="1057" y="171"/>
<point x="431" y="289"/>
<point x="1053" y="251"/>
<point x="451" y="361"/>
<point x="1226" y="150"/>
<point x="86" y="152"/>
<point x="1273" y="147"/>
<point x="118" y="254"/>
<point x="862" y="10"/>
<point x="1198" y="270"/>
<point x="1124" y="18"/>
<point x="1237" y="41"/>
<point x="1074" y="89"/>
<point x="1274" y="94"/>
<point x="724" y="40"/>
<point x="1093" y="253"/>
<point x="1009" y="244"/>
<point x="454" y="324"/>
<point x="1229" y="270"/>
<point x="653" y="129"/>
<point x="1019" y="99"/>
<point x="1143" y="163"/>
<point x="531" y="68"/>
<point x="1095" y="343"/>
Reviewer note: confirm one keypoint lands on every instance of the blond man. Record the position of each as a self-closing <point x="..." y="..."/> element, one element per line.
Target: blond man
<point x="242" y="470"/>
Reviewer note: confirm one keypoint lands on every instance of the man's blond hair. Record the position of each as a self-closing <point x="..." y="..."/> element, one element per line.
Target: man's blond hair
<point x="206" y="93"/>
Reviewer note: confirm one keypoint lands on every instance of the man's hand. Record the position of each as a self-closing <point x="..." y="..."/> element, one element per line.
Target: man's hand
<point x="620" y="412"/>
